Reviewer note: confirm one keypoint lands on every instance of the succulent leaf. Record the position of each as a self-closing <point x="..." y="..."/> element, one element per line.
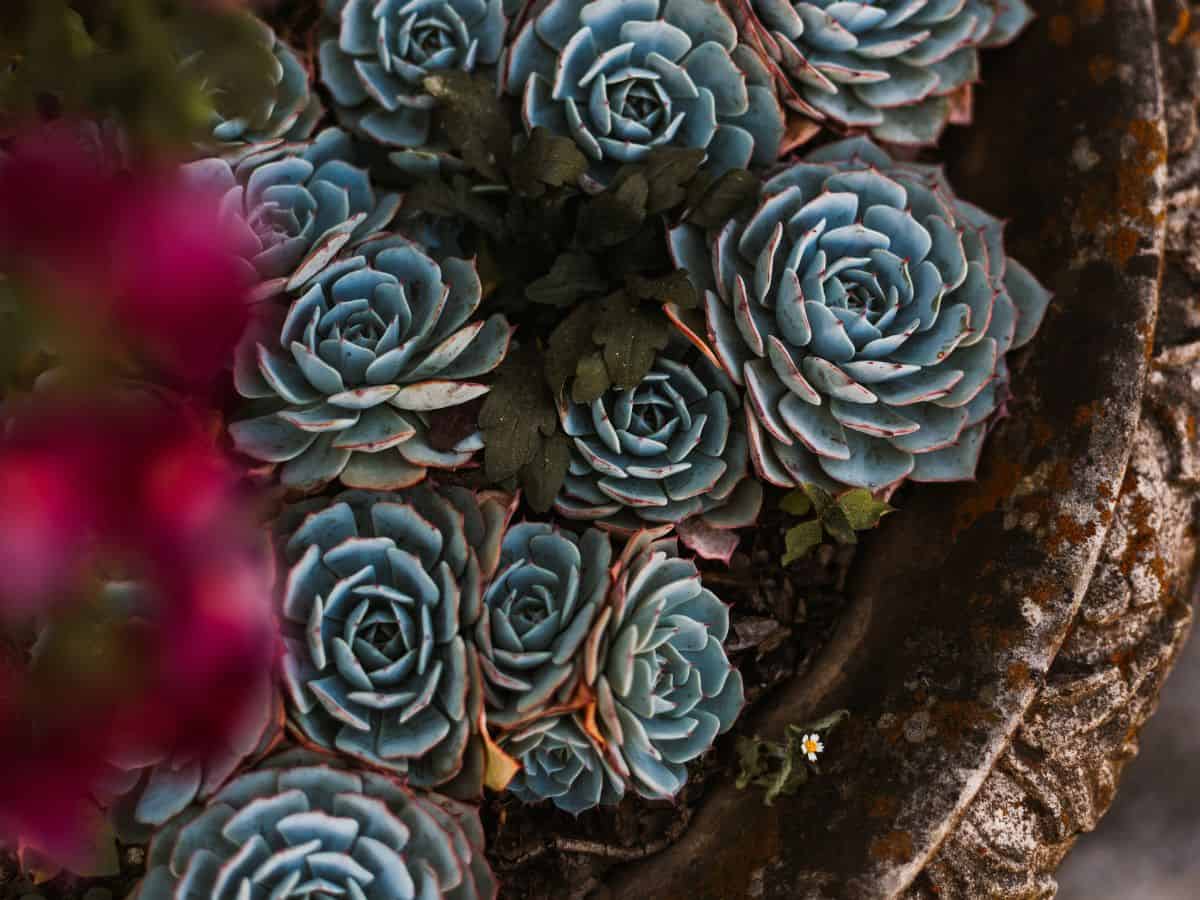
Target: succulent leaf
<point x="622" y="78"/>
<point x="384" y="593"/>
<point x="867" y="312"/>
<point x="377" y="342"/>
<point x="306" y="825"/>
<point x="893" y="67"/>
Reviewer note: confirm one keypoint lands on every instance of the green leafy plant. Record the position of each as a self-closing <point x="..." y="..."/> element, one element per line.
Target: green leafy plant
<point x="782" y="767"/>
<point x="836" y="517"/>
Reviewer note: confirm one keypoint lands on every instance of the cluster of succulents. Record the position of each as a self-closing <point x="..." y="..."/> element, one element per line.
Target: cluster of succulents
<point x="541" y="238"/>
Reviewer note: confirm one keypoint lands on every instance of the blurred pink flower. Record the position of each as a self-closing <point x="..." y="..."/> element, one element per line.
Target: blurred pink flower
<point x="148" y="256"/>
<point x="140" y="490"/>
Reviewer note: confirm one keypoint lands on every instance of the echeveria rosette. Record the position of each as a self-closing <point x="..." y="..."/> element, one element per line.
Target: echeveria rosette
<point x="536" y="614"/>
<point x="376" y="54"/>
<point x="290" y="113"/>
<point x="379" y="603"/>
<point x="671" y="449"/>
<point x="378" y="342"/>
<point x="888" y="66"/>
<point x="664" y="688"/>
<point x="867" y="312"/>
<point x="297" y="205"/>
<point x="562" y="763"/>
<point x="622" y="77"/>
<point x="305" y="826"/>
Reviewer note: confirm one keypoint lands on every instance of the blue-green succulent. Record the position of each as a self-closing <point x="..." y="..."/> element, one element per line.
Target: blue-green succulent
<point x="867" y="312"/>
<point x="536" y="614"/>
<point x="622" y="77"/>
<point x="306" y="826"/>
<point x="290" y="112"/>
<point x="297" y="205"/>
<point x="890" y="66"/>
<point x="670" y="449"/>
<point x="380" y="600"/>
<point x="378" y="342"/>
<point x="376" y="54"/>
<point x="562" y="763"/>
<point x="660" y="686"/>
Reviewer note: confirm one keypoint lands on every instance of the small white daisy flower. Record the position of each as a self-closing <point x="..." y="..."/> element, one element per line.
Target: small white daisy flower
<point x="811" y="745"/>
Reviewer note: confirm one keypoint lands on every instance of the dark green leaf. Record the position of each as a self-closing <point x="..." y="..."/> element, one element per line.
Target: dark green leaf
<point x="800" y="540"/>
<point x="862" y="509"/>
<point x="837" y="525"/>
<point x="569" y="343"/>
<point x="668" y="171"/>
<point x="456" y="200"/>
<point x="591" y="379"/>
<point x="631" y="335"/>
<point x="675" y="288"/>
<point x="518" y="413"/>
<point x="615" y="215"/>
<point x="547" y="160"/>
<point x="715" y="204"/>
<point x="572" y="277"/>
<point x="796" y="503"/>
<point x="542" y="477"/>
<point x="474" y="118"/>
<point x="821" y="498"/>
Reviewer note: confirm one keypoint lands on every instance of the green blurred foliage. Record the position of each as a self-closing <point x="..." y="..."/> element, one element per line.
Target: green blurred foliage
<point x="151" y="65"/>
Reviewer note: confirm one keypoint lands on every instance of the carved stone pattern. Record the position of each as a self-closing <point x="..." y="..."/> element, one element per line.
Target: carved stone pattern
<point x="1059" y="775"/>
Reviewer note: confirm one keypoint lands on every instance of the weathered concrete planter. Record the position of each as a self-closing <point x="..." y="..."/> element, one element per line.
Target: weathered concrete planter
<point x="1006" y="637"/>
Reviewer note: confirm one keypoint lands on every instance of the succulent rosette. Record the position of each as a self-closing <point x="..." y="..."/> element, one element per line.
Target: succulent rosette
<point x="376" y="344"/>
<point x="303" y="826"/>
<point x="536" y="615"/>
<point x="296" y="205"/>
<point x="867" y="312"/>
<point x="562" y="763"/>
<point x="376" y="54"/>
<point x="622" y="77"/>
<point x="670" y="449"/>
<point x="381" y="597"/>
<point x="290" y="112"/>
<point x="663" y="686"/>
<point x="890" y="66"/>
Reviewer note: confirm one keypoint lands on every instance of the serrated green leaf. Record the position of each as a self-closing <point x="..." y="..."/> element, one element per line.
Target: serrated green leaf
<point x="542" y="477"/>
<point x="631" y="335"/>
<point x="675" y="288"/>
<point x="455" y="200"/>
<point x="569" y="343"/>
<point x="714" y="204"/>
<point x="821" y="498"/>
<point x="668" y="171"/>
<point x="546" y="161"/>
<point x="474" y="118"/>
<point x="591" y="378"/>
<point x="615" y="215"/>
<point x="796" y="503"/>
<point x="800" y="540"/>
<point x="862" y="509"/>
<point x="572" y="277"/>
<point x="518" y="413"/>
<point x="837" y="525"/>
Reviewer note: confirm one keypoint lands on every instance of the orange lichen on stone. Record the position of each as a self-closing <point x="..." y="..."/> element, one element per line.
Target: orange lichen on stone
<point x="1061" y="30"/>
<point x="1091" y="10"/>
<point x="1018" y="674"/>
<point x="1069" y="531"/>
<point x="1122" y="245"/>
<point x="894" y="847"/>
<point x="1102" y="68"/>
<point x="996" y="486"/>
